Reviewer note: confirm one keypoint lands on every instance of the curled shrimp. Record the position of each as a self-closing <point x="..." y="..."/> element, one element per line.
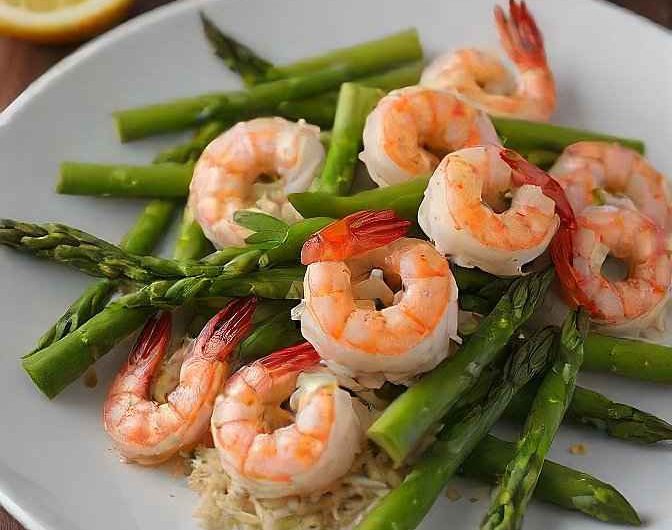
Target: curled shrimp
<point x="627" y="305"/>
<point x="411" y="128"/>
<point x="229" y="175"/>
<point x="467" y="213"/>
<point x="585" y="168"/>
<point x="484" y="81"/>
<point x="148" y="432"/>
<point x="272" y="452"/>
<point x="411" y="333"/>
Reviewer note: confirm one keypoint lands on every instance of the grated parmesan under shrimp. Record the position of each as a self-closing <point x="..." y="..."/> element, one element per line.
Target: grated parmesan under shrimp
<point x="223" y="507"/>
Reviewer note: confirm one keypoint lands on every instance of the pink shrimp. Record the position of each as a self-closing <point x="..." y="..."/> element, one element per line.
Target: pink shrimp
<point x="482" y="79"/>
<point x="148" y="432"/>
<point x="272" y="452"/>
<point x="412" y="333"/>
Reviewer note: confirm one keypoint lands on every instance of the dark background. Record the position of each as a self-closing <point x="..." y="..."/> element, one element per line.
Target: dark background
<point x="21" y="62"/>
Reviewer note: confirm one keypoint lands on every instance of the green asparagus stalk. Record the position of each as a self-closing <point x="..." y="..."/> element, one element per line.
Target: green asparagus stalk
<point x="162" y="181"/>
<point x="404" y="199"/>
<point x="557" y="484"/>
<point x="293" y="82"/>
<point x="405" y="506"/>
<point x="636" y="359"/>
<point x="524" y="136"/>
<point x="413" y="414"/>
<point x="188" y="153"/>
<point x="95" y="256"/>
<point x="238" y="57"/>
<point x="320" y="110"/>
<point x="394" y="49"/>
<point x="191" y="243"/>
<point x="508" y="505"/>
<point x="141" y="239"/>
<point x="64" y="361"/>
<point x="595" y="410"/>
<point x="255" y="69"/>
<point x="354" y="104"/>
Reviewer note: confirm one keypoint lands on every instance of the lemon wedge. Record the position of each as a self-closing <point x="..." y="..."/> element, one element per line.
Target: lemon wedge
<point x="59" y="21"/>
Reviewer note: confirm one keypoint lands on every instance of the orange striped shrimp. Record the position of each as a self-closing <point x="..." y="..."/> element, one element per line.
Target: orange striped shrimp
<point x="466" y="214"/>
<point x="631" y="304"/>
<point x="587" y="167"/>
<point x="484" y="81"/>
<point x="409" y="336"/>
<point x="148" y="432"/>
<point x="412" y="128"/>
<point x="274" y="453"/>
<point x="229" y="175"/>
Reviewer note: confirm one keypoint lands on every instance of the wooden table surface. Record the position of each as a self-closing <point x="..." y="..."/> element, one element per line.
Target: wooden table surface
<point x="22" y="62"/>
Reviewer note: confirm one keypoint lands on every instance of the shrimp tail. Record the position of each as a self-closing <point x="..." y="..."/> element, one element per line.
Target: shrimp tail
<point x="354" y="234"/>
<point x="561" y="247"/>
<point x="291" y="359"/>
<point x="523" y="172"/>
<point x="152" y="343"/>
<point x="520" y="36"/>
<point x="226" y="329"/>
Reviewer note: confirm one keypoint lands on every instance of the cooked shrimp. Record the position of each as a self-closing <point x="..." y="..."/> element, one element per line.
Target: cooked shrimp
<point x="635" y="302"/>
<point x="484" y="81"/>
<point x="148" y="432"/>
<point x="412" y="128"/>
<point x="229" y="175"/>
<point x="409" y="336"/>
<point x="587" y="167"/>
<point x="466" y="213"/>
<point x="274" y="453"/>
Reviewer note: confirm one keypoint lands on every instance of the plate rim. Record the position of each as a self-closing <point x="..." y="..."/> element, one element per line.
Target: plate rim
<point x="29" y="518"/>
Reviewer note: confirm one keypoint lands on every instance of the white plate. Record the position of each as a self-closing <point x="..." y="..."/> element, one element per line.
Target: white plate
<point x="57" y="472"/>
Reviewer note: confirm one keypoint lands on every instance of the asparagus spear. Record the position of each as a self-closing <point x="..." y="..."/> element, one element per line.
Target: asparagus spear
<point x="189" y="152"/>
<point x="191" y="243"/>
<point x="593" y="409"/>
<point x="140" y="239"/>
<point x="405" y="506"/>
<point x="636" y="359"/>
<point x="64" y="361"/>
<point x="95" y="256"/>
<point x="523" y="136"/>
<point x="238" y="57"/>
<point x="164" y="181"/>
<point x="321" y="109"/>
<point x="354" y="104"/>
<point x="255" y="69"/>
<point x="557" y="484"/>
<point x="508" y="505"/>
<point x="404" y="199"/>
<point x="298" y="81"/>
<point x="411" y="416"/>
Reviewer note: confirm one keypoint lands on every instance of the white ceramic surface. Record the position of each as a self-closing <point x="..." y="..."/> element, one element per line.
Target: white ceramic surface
<point x="57" y="471"/>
